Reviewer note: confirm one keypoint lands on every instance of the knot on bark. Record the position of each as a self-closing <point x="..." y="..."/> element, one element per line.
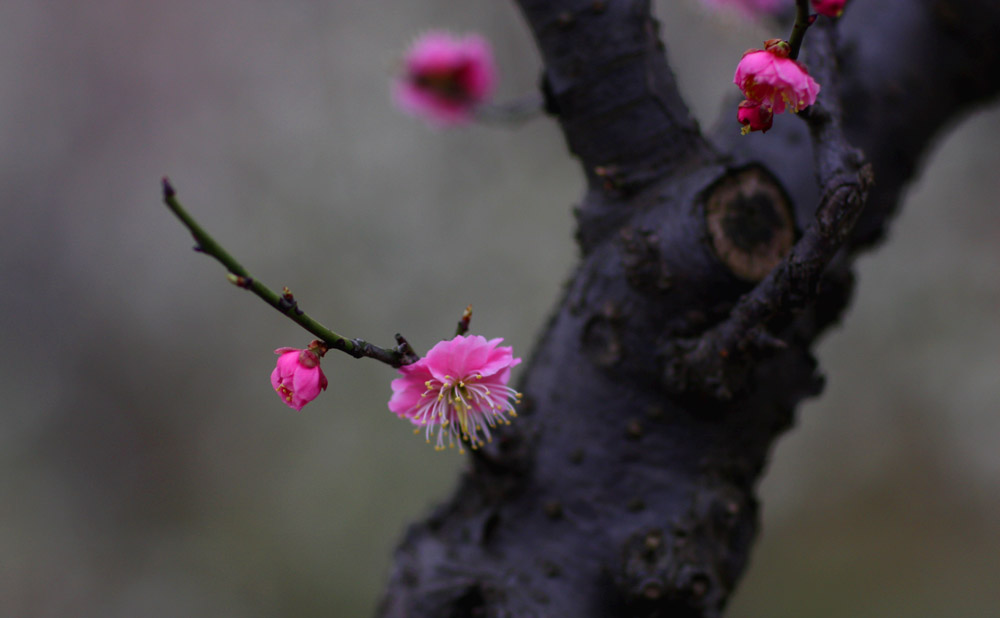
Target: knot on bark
<point x="750" y="222"/>
<point x="602" y="337"/>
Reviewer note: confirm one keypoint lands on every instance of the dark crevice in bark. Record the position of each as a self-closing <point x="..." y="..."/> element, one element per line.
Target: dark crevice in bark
<point x="613" y="495"/>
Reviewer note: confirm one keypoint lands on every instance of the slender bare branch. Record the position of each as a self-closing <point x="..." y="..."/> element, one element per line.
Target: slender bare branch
<point x="285" y="302"/>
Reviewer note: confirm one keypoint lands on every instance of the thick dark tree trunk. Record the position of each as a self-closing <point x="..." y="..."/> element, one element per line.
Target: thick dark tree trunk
<point x="681" y="346"/>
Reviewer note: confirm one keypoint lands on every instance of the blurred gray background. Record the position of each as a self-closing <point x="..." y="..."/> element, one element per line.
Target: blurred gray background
<point x="148" y="469"/>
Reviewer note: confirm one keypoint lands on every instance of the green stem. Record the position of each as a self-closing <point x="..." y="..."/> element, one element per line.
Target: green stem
<point x="802" y="23"/>
<point x="285" y="303"/>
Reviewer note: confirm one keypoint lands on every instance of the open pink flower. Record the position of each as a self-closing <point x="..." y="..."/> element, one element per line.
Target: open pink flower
<point x="459" y="389"/>
<point x="771" y="82"/>
<point x="830" y="8"/>
<point x="445" y="77"/>
<point x="770" y="77"/>
<point x="297" y="378"/>
<point x="754" y="117"/>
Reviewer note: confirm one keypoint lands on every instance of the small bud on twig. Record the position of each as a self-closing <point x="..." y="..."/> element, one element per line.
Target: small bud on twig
<point x="288" y="302"/>
<point x="239" y="281"/>
<point x="463" y="323"/>
<point x="406" y="350"/>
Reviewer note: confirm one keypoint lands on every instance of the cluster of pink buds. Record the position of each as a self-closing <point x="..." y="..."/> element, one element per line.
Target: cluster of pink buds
<point x="771" y="82"/>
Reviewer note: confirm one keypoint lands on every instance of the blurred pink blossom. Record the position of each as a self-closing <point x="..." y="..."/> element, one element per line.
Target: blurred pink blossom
<point x="830" y="8"/>
<point x="445" y="77"/>
<point x="770" y="77"/>
<point x="458" y="389"/>
<point x="750" y="8"/>
<point x="297" y="377"/>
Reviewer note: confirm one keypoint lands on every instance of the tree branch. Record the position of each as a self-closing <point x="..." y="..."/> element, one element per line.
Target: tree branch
<point x="285" y="303"/>
<point x="608" y="83"/>
<point x="717" y="363"/>
<point x="799" y="27"/>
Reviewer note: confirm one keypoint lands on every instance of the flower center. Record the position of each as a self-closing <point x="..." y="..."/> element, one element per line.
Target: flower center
<point x="462" y="408"/>
<point x="449" y="83"/>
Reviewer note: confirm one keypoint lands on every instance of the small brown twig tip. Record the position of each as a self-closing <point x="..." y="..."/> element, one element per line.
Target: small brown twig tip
<point x="463" y="323"/>
<point x="168" y="189"/>
<point x="287" y="302"/>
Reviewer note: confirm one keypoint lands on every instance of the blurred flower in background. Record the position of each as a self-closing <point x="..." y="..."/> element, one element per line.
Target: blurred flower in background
<point x="830" y="8"/>
<point x="445" y="77"/>
<point x="751" y="9"/>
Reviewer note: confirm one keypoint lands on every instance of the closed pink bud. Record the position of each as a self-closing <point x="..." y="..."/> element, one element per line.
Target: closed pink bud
<point x="297" y="377"/>
<point x="754" y="117"/>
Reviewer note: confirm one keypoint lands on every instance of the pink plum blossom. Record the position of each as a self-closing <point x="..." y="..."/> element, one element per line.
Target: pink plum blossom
<point x="754" y="117"/>
<point x="830" y="8"/>
<point x="445" y="77"/>
<point x="458" y="389"/>
<point x="749" y="8"/>
<point x="768" y="76"/>
<point x="297" y="377"/>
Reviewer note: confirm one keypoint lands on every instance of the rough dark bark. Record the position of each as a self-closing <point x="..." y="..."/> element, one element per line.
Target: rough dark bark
<point x="655" y="394"/>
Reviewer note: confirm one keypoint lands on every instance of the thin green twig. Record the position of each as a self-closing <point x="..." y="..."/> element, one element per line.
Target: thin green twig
<point x="285" y="303"/>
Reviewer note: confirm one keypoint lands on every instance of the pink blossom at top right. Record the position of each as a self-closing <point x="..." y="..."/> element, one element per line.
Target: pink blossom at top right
<point x="771" y="78"/>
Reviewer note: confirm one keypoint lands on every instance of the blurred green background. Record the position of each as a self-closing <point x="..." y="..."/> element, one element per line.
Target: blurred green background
<point x="146" y="466"/>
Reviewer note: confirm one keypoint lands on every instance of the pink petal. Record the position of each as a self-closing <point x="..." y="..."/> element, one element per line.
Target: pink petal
<point x="288" y="363"/>
<point x="305" y="383"/>
<point x="407" y="390"/>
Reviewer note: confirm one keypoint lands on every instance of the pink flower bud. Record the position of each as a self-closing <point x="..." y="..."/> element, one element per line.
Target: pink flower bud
<point x="830" y="8"/>
<point x="754" y="117"/>
<point x="445" y="77"/>
<point x="459" y="389"/>
<point x="769" y="77"/>
<point x="297" y="377"/>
